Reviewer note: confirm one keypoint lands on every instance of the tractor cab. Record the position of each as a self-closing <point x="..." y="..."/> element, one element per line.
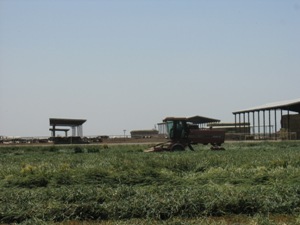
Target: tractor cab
<point x="177" y="128"/>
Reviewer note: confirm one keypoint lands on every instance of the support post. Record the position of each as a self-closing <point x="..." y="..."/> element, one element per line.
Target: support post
<point x="239" y="122"/>
<point x="270" y="131"/>
<point x="79" y="131"/>
<point x="248" y="129"/>
<point x="275" y="124"/>
<point x="258" y="124"/>
<point x="73" y="131"/>
<point x="235" y="123"/>
<point x="244" y="130"/>
<point x="264" y="123"/>
<point x="253" y="115"/>
<point x="288" y="124"/>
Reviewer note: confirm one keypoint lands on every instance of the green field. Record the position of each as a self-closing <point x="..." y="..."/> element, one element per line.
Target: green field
<point x="249" y="183"/>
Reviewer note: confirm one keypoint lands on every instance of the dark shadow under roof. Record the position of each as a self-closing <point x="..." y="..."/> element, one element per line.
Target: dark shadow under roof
<point x="291" y="105"/>
<point x="66" y="122"/>
<point x="51" y="129"/>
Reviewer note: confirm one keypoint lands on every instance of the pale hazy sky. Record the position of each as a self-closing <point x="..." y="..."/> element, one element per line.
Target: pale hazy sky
<point x="128" y="64"/>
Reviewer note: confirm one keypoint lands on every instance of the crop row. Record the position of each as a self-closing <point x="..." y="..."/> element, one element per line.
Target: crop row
<point x="162" y="202"/>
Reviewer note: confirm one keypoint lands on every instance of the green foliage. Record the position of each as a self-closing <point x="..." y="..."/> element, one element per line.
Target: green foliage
<point x="78" y="149"/>
<point x="40" y="184"/>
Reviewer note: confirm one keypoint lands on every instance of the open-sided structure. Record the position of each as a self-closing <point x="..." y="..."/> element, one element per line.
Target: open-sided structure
<point x="75" y="124"/>
<point x="201" y="121"/>
<point x="264" y="119"/>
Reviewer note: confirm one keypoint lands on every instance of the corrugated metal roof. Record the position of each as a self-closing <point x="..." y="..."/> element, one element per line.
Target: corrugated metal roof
<point x="292" y="105"/>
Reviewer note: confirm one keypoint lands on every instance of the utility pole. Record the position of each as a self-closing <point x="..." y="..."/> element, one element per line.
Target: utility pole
<point x="124" y="134"/>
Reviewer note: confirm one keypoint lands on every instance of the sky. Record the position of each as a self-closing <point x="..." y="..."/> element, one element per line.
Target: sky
<point x="127" y="64"/>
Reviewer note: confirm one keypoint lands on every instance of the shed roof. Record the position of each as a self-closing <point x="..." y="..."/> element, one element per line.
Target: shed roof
<point x="291" y="105"/>
<point x="201" y="120"/>
<point x="194" y="119"/>
<point x="66" y="122"/>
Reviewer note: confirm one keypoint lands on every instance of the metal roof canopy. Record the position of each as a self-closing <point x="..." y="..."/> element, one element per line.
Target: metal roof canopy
<point x="194" y="119"/>
<point x="201" y="120"/>
<point x="260" y="114"/>
<point x="66" y="122"/>
<point x="75" y="124"/>
<point x="291" y="105"/>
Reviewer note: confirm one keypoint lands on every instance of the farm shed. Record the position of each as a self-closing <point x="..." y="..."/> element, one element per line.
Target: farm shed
<point x="75" y="124"/>
<point x="201" y="121"/>
<point x="264" y="120"/>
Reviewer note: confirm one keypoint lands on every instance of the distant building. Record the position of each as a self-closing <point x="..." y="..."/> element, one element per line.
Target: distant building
<point x="76" y="126"/>
<point x="144" y="133"/>
<point x="265" y="119"/>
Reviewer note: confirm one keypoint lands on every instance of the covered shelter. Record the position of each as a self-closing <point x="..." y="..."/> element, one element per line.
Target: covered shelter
<point x="264" y="118"/>
<point x="75" y="124"/>
<point x="201" y="121"/>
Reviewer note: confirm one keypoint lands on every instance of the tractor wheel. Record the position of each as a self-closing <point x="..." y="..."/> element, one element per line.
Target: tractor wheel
<point x="177" y="148"/>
